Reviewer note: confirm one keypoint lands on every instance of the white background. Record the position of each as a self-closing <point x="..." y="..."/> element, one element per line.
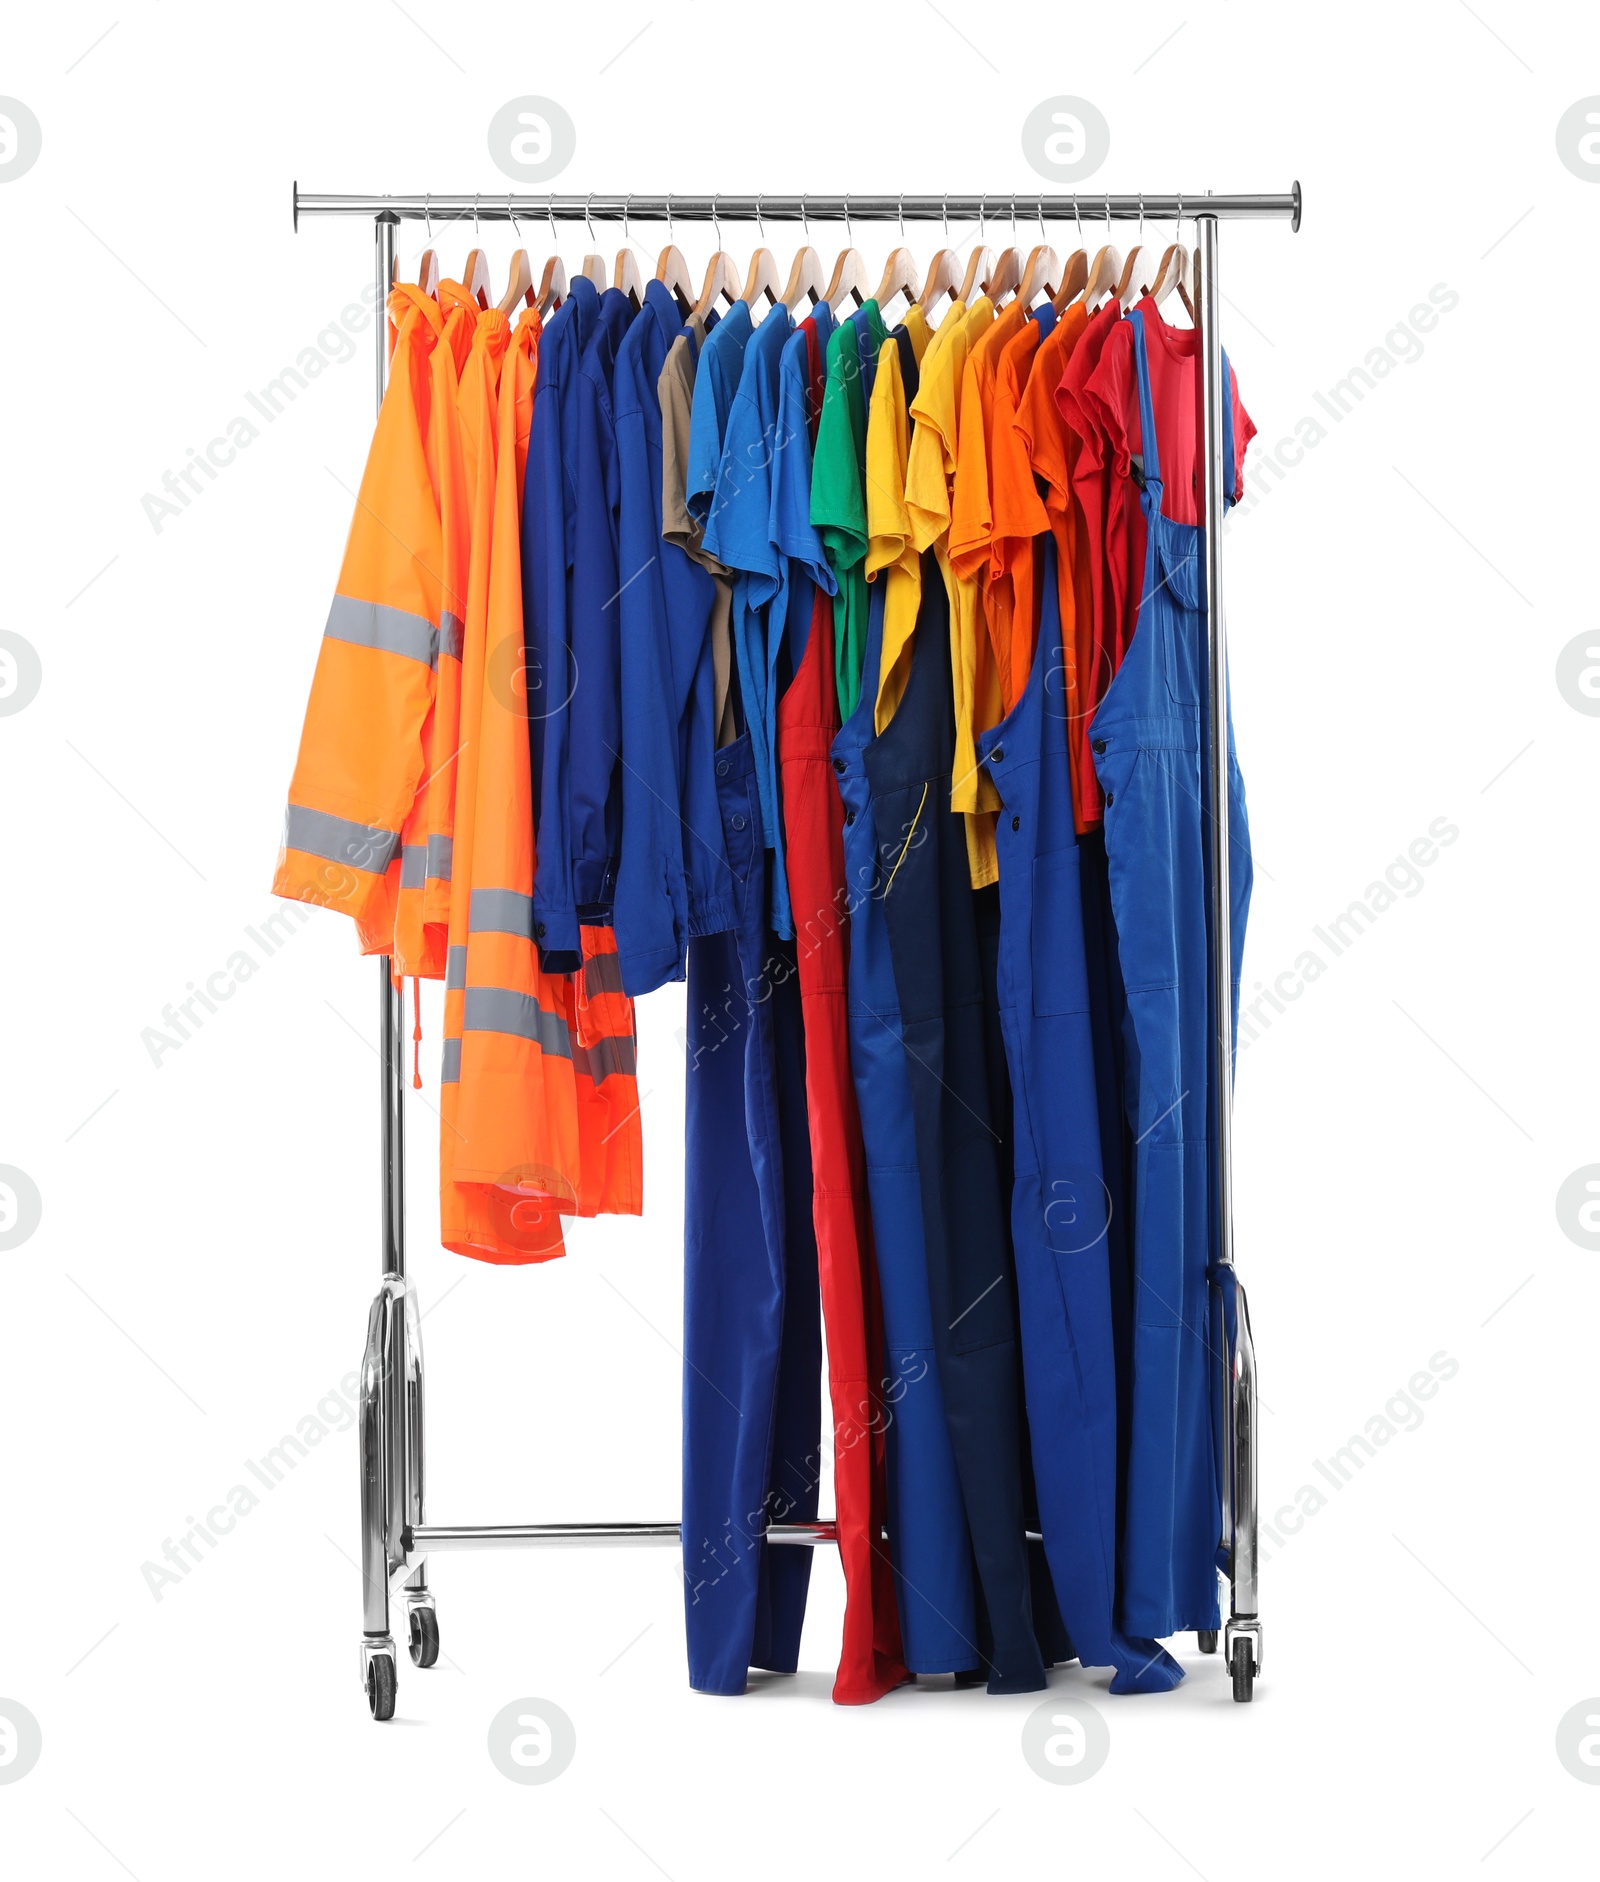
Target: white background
<point x="210" y="1234"/>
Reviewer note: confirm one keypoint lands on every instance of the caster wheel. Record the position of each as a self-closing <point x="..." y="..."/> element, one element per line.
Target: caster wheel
<point x="424" y="1637"/>
<point x="1244" y="1672"/>
<point x="380" y="1687"/>
<point x="1207" y="1639"/>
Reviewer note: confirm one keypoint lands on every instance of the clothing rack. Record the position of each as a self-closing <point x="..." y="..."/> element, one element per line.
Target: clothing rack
<point x="396" y="1539"/>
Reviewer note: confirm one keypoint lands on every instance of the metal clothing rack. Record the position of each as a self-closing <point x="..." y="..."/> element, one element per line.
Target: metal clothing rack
<point x="396" y="1538"/>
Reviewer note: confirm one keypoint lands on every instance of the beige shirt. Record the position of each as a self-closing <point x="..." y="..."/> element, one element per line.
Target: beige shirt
<point x="676" y="389"/>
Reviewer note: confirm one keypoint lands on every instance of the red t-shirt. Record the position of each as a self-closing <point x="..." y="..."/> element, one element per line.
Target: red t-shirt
<point x="1110" y="395"/>
<point x="1092" y="485"/>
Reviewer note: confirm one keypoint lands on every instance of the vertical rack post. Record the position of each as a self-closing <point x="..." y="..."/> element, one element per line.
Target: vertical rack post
<point x="1237" y="1359"/>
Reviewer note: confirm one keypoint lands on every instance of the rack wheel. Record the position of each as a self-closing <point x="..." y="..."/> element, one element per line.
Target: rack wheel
<point x="380" y="1686"/>
<point x="424" y="1637"/>
<point x="1244" y="1671"/>
<point x="1207" y="1639"/>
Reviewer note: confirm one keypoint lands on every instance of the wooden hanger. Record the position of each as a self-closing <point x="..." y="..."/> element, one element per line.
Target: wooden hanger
<point x="762" y="278"/>
<point x="428" y="272"/>
<point x="1172" y="273"/>
<point x="672" y="271"/>
<point x="552" y="284"/>
<point x="1041" y="272"/>
<point x="519" y="285"/>
<point x="722" y="279"/>
<point x="805" y="278"/>
<point x="475" y="276"/>
<point x="1074" y="277"/>
<point x="899" y="277"/>
<point x="1003" y="276"/>
<point x="943" y="277"/>
<point x="980" y="265"/>
<point x="628" y="277"/>
<point x="1104" y="271"/>
<point x="849" y="277"/>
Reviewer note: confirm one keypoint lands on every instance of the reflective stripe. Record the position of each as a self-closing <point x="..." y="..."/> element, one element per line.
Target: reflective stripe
<point x="602" y="973"/>
<point x="385" y="630"/>
<point x="500" y="911"/>
<point x="361" y="845"/>
<point x="615" y="1053"/>
<point x="440" y="854"/>
<point x="450" y="633"/>
<point x="500" y="1009"/>
<point x="455" y="969"/>
<point x="413" y="866"/>
<point x="450" y="1069"/>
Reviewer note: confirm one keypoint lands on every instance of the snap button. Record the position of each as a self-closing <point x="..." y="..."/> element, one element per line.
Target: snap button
<point x="1097" y="745"/>
<point x="849" y="817"/>
<point x="997" y="756"/>
<point x="736" y="821"/>
<point x="1110" y="799"/>
<point x="539" y="930"/>
<point x="722" y="767"/>
<point x="838" y="764"/>
<point x="1016" y="823"/>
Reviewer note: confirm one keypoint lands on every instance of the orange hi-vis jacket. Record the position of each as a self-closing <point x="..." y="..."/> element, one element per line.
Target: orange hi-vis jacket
<point x="362" y="747"/>
<point x="539" y="1099"/>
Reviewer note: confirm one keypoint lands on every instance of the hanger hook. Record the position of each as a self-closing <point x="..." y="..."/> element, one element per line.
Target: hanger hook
<point x="477" y="231"/>
<point x="849" y="233"/>
<point x="1141" y="218"/>
<point x="627" y="205"/>
<point x="1044" y="233"/>
<point x="427" y="214"/>
<point x="761" y="227"/>
<point x="587" y="221"/>
<point x="805" y="223"/>
<point x="944" y="214"/>
<point x="716" y="226"/>
<point x="1014" y="220"/>
<point x="902" y="215"/>
<point x="511" y="216"/>
<point x="550" y="215"/>
<point x="671" y="235"/>
<point x="1077" y="217"/>
<point x="983" y="233"/>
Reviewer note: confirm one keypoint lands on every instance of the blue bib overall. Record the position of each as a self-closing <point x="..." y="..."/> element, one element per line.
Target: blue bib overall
<point x="752" y="1338"/>
<point x="1059" y="1198"/>
<point x="1149" y="756"/>
<point x="940" y="935"/>
<point x="927" y="1524"/>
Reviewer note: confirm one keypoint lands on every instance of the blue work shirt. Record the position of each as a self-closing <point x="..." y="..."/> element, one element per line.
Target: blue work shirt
<point x="740" y="534"/>
<point x="579" y="810"/>
<point x="673" y="875"/>
<point x="716" y="384"/>
<point x="805" y="560"/>
<point x="549" y="536"/>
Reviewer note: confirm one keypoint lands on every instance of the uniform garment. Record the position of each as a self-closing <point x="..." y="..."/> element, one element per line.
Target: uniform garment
<point x="930" y="919"/>
<point x="580" y="801"/>
<point x="1111" y="399"/>
<point x="752" y="1330"/>
<point x="667" y="589"/>
<point x="1148" y="750"/>
<point x="870" y="1662"/>
<point x="930" y="471"/>
<point x="716" y="386"/>
<point x="928" y="1540"/>
<point x="1058" y="1200"/>
<point x="1018" y="518"/>
<point x="361" y="756"/>
<point x="838" y="507"/>
<point x="702" y="655"/>
<point x="890" y="549"/>
<point x="1044" y="445"/>
<point x="549" y="545"/>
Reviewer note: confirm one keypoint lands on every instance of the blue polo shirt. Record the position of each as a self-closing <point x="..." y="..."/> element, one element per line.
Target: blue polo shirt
<point x="549" y="536"/>
<point x="673" y="875"/>
<point x="806" y="563"/>
<point x="716" y="384"/>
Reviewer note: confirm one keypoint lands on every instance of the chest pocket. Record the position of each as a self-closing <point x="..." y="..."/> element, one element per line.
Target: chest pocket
<point x="1060" y="983"/>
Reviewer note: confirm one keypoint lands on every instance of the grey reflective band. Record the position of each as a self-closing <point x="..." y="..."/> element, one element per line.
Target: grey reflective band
<point x="413" y="866"/>
<point x="440" y="852"/>
<point x="361" y="845"/>
<point x="450" y="635"/>
<point x="385" y="630"/>
<point x="450" y="1067"/>
<point x="500" y="911"/>
<point x="615" y="1053"/>
<point x="500" y="1009"/>
<point x="602" y="973"/>
<point x="455" y="969"/>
